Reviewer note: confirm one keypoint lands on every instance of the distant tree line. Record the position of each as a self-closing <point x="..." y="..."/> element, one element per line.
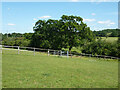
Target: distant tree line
<point x="17" y="39"/>
<point x="68" y="32"/>
<point x="107" y="33"/>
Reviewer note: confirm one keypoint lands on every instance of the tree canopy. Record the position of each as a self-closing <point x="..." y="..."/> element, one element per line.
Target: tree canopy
<point x="67" y="32"/>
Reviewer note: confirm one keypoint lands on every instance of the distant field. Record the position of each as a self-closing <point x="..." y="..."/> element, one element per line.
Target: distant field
<point x="42" y="71"/>
<point x="110" y="39"/>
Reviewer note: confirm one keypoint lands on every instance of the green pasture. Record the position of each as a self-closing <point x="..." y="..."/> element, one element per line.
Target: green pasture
<point x="41" y="71"/>
<point x="110" y="39"/>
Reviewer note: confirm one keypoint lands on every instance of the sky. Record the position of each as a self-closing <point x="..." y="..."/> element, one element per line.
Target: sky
<point x="20" y="17"/>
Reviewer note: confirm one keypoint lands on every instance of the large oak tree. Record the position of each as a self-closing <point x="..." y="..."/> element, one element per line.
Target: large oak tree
<point x="68" y="32"/>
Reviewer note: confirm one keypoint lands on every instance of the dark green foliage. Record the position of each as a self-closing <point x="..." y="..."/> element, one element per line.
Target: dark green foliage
<point x="16" y="35"/>
<point x="0" y="38"/>
<point x="28" y="36"/>
<point x="101" y="48"/>
<point x="13" y="35"/>
<point x="18" y="41"/>
<point x="118" y="43"/>
<point x="67" y="32"/>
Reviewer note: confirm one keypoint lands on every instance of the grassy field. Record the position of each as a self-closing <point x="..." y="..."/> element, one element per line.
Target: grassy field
<point x="110" y="39"/>
<point x="42" y="71"/>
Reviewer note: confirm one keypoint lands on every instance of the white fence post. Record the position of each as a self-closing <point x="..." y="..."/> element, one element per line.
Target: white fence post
<point x="89" y="55"/>
<point x="34" y="51"/>
<point x="67" y="54"/>
<point x="60" y="53"/>
<point x="18" y="49"/>
<point x="54" y="52"/>
<point x="57" y="52"/>
<point x="48" y="52"/>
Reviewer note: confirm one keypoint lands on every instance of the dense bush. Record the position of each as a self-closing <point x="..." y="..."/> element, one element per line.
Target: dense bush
<point x="19" y="41"/>
<point x="101" y="47"/>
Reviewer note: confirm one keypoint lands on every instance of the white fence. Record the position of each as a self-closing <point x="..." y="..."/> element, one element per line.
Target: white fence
<point x="33" y="50"/>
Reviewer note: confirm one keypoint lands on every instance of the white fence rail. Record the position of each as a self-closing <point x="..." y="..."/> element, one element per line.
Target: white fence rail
<point x="51" y="52"/>
<point x="34" y="50"/>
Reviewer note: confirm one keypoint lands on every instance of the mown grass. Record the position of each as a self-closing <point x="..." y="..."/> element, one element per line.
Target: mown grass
<point x="42" y="71"/>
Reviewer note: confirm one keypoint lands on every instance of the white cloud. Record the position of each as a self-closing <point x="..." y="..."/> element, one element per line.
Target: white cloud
<point x="108" y="22"/>
<point x="89" y="20"/>
<point x="34" y="19"/>
<point x="11" y="24"/>
<point x="103" y="0"/>
<point x="97" y="2"/>
<point x="93" y="14"/>
<point x="43" y="17"/>
<point x="74" y="0"/>
<point x="92" y="0"/>
<point x="8" y="8"/>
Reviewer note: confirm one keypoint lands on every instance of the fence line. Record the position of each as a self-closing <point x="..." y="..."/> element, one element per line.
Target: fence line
<point x="56" y="52"/>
